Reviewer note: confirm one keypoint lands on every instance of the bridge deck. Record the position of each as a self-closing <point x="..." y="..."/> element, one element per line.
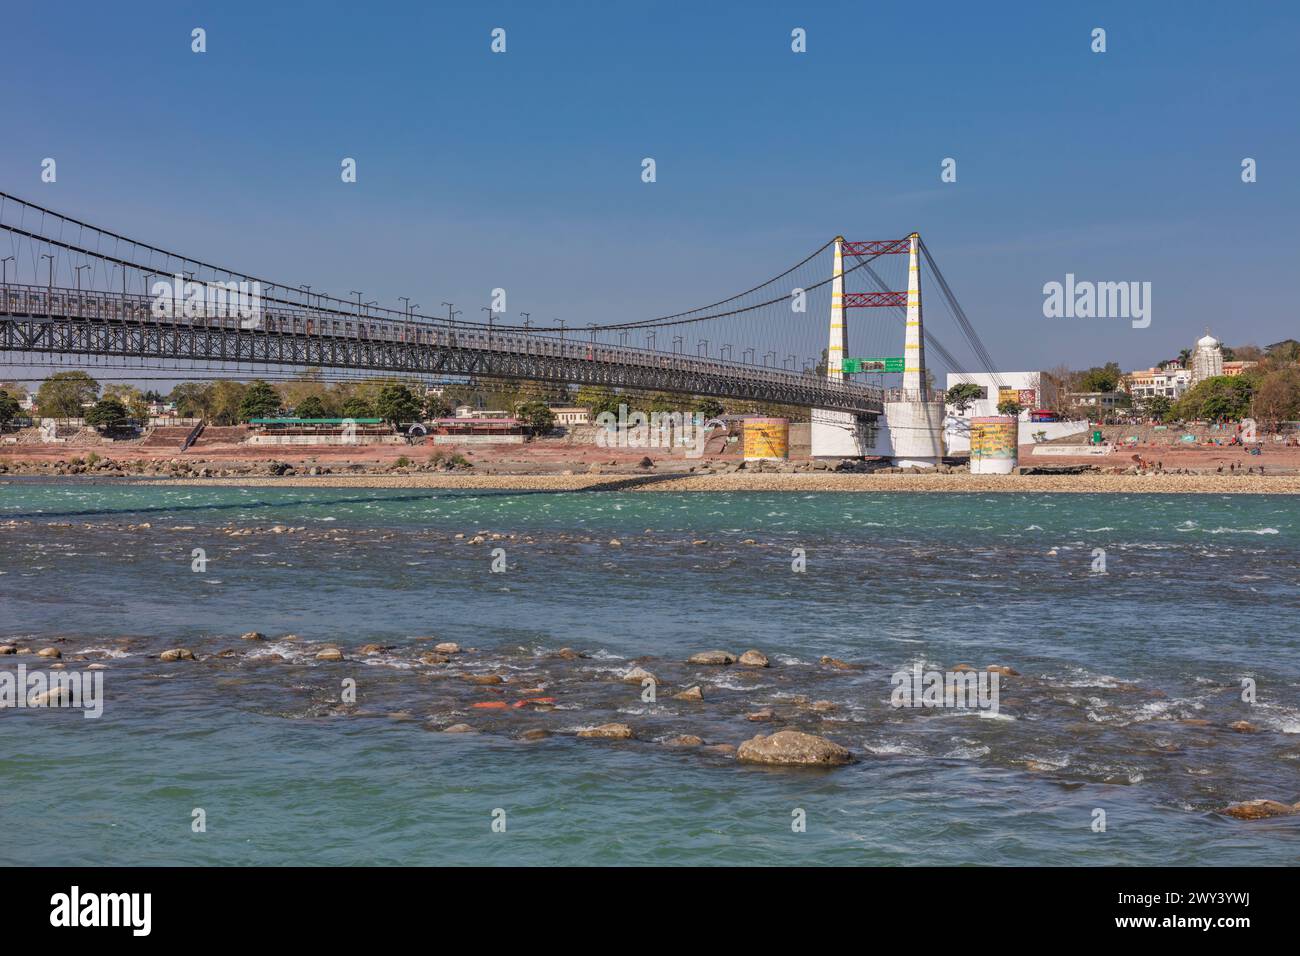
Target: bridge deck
<point x="40" y="319"/>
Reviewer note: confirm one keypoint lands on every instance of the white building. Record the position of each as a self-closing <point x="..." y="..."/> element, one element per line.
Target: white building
<point x="1171" y="380"/>
<point x="571" y="415"/>
<point x="1207" y="358"/>
<point x="1023" y="388"/>
<point x="1030" y="390"/>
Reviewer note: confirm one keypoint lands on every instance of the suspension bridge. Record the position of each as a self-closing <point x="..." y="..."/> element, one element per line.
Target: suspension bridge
<point x="73" y="291"/>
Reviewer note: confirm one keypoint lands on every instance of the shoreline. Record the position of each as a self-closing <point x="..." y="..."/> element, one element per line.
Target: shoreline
<point x="954" y="483"/>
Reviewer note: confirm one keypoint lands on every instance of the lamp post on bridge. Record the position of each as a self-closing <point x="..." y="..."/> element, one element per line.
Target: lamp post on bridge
<point x="677" y="343"/>
<point x="407" y="300"/>
<point x="703" y="344"/>
<point x="650" y="341"/>
<point x="561" y="321"/>
<point x="49" y="291"/>
<point x="488" y="310"/>
<point x="751" y="353"/>
<point x="773" y="354"/>
<point x="790" y="360"/>
<point x="622" y="337"/>
<point x="725" y="347"/>
<point x="528" y="317"/>
<point x="592" y="327"/>
<point x="4" y="269"/>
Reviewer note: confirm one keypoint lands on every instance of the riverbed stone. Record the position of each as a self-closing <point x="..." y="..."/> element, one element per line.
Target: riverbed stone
<point x="8" y="649"/>
<point x="1260" y="809"/>
<point x="691" y="693"/>
<point x="458" y="729"/>
<point x="638" y="674"/>
<point x="1002" y="669"/>
<point x="177" y="654"/>
<point x="1243" y="727"/>
<point x="252" y="636"/>
<point x="712" y="657"/>
<point x="329" y="654"/>
<point x="753" y="658"/>
<point x="482" y="680"/>
<point x="447" y="647"/>
<point x="432" y="658"/>
<point x="684" y="740"/>
<point x="608" y="732"/>
<point x="759" y="716"/>
<point x="793" y="748"/>
<point x="838" y="664"/>
<point x="535" y="733"/>
<point x="49" y="652"/>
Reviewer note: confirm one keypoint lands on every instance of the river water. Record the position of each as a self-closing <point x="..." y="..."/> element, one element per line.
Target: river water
<point x="1128" y="679"/>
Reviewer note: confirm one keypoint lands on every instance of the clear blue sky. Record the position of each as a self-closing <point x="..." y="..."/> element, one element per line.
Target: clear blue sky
<point x="522" y="170"/>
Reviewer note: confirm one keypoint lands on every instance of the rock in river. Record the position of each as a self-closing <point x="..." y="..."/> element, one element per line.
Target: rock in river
<point x="608" y="732"/>
<point x="177" y="654"/>
<point x="752" y="658"/>
<point x="49" y="652"/>
<point x="1260" y="810"/>
<point x="253" y="636"/>
<point x="691" y="693"/>
<point x="329" y="654"/>
<point x="637" y="674"/>
<point x="447" y="647"/>
<point x="712" y="657"/>
<point x="791" y="748"/>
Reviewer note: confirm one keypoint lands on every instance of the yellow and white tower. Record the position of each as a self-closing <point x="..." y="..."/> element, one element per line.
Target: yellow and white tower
<point x="836" y="434"/>
<point x="915" y="423"/>
<point x="914" y="378"/>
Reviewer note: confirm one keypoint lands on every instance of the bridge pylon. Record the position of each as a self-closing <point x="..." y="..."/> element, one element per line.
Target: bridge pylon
<point x="915" y="421"/>
<point x="836" y="434"/>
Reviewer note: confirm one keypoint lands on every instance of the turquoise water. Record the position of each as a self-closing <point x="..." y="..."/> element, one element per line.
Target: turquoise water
<point x="1128" y="680"/>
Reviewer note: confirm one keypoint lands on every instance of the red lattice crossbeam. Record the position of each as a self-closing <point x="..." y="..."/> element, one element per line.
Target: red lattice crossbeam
<point x="868" y="300"/>
<point x="877" y="247"/>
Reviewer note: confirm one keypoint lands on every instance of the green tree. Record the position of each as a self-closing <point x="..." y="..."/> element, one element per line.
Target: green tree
<point x="709" y="407"/>
<point x="396" y="404"/>
<point x="192" y="399"/>
<point x="259" y="401"/>
<point x="961" y="396"/>
<point x="536" y="416"/>
<point x="599" y="399"/>
<point x="1010" y="407"/>
<point x="9" y="407"/>
<point x="357" y="407"/>
<point x="1276" y="398"/>
<point x="1220" y="397"/>
<point x="311" y="407"/>
<point x="108" y="414"/>
<point x="63" y="394"/>
<point x="1105" y="378"/>
<point x="1156" y="407"/>
<point x="131" y="397"/>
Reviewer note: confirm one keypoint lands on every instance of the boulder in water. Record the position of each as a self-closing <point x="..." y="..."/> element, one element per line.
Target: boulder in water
<point x="792" y="748"/>
<point x="329" y="654"/>
<point x="712" y="657"/>
<point x="608" y="732"/>
<point x="177" y="654"/>
<point x="1259" y="810"/>
<point x="752" y="658"/>
<point x="691" y="693"/>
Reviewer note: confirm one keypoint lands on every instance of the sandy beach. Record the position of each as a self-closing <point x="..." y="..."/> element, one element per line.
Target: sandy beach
<point x="800" y="482"/>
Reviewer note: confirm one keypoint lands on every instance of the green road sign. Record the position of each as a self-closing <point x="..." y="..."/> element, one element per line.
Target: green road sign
<point x="887" y="364"/>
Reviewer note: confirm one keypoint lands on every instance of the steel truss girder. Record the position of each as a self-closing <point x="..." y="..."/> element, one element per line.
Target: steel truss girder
<point x="129" y="340"/>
